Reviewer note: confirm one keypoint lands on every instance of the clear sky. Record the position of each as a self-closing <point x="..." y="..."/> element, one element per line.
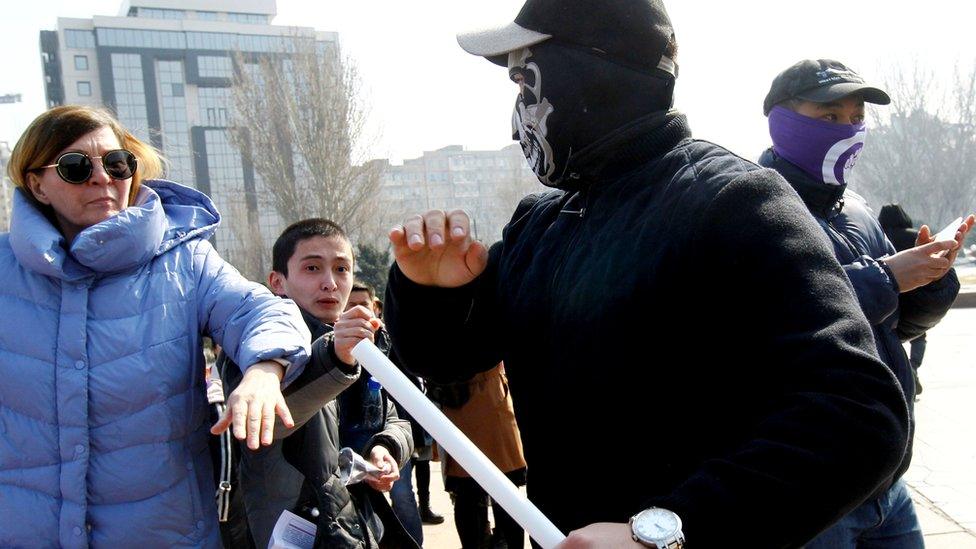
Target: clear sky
<point x="426" y="93"/>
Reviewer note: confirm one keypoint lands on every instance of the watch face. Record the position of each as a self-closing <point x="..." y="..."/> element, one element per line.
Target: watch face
<point x="656" y="524"/>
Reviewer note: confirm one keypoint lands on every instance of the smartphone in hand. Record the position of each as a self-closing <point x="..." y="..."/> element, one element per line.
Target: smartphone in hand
<point x="948" y="233"/>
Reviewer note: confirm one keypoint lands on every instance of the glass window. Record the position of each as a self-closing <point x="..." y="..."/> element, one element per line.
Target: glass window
<point x="242" y="42"/>
<point x="207" y="15"/>
<point x="175" y="126"/>
<point x="81" y="62"/>
<point x="160" y="13"/>
<point x="75" y="38"/>
<point x="84" y="89"/>
<point x="252" y="18"/>
<point x="215" y="66"/>
<point x="215" y="106"/>
<point x="130" y="93"/>
<point x="141" y="38"/>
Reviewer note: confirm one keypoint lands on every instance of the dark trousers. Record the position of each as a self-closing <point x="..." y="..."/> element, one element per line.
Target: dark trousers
<point x="422" y="470"/>
<point x="471" y="518"/>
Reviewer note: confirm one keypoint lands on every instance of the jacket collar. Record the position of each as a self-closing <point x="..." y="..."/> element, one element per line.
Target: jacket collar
<point x="163" y="215"/>
<point x="316" y="326"/>
<point x="823" y="200"/>
<point x="627" y="148"/>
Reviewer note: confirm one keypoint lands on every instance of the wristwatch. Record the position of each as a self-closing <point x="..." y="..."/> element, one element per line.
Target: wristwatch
<point x="657" y="527"/>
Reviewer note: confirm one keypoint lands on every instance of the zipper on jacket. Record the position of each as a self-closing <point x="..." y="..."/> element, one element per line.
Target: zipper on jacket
<point x="583" y="197"/>
<point x="580" y="212"/>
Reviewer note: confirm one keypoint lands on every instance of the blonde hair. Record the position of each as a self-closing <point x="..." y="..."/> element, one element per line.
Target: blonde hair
<point x="56" y="129"/>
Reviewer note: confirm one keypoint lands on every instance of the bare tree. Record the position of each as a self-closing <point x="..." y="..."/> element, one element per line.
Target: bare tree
<point x="923" y="152"/>
<point x="300" y="120"/>
<point x="244" y="251"/>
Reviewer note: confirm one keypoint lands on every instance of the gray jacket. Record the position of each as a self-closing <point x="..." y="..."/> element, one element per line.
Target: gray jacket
<point x="270" y="483"/>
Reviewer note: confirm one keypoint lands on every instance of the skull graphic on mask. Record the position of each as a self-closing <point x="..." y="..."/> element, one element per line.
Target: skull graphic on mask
<point x="587" y="98"/>
<point x="530" y="115"/>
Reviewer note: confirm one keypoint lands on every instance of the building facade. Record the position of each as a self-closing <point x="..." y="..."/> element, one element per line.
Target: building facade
<point x="166" y="68"/>
<point x="486" y="184"/>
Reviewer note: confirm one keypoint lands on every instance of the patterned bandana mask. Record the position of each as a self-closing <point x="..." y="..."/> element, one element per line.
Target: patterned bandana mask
<point x="529" y="119"/>
<point x="570" y="98"/>
<point x="826" y="151"/>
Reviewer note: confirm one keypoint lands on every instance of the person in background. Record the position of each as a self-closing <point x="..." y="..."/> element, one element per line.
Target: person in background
<point x="404" y="501"/>
<point x="423" y="452"/>
<point x="482" y="409"/>
<point x="816" y="121"/>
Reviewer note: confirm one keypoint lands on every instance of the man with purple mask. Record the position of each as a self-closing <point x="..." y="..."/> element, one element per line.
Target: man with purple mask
<point x="816" y="121"/>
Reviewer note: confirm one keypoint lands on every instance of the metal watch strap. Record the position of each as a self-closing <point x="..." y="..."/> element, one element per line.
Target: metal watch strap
<point x="676" y="542"/>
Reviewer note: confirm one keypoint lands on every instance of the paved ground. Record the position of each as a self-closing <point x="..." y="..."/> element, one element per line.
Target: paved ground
<point x="943" y="472"/>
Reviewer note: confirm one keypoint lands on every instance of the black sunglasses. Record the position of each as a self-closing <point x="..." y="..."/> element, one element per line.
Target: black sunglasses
<point x="76" y="167"/>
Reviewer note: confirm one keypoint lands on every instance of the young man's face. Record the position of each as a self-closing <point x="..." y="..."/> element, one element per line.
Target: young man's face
<point x="360" y="297"/>
<point x="846" y="110"/>
<point x="319" y="277"/>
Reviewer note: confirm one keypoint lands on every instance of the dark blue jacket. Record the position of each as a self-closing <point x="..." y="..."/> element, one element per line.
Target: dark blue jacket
<point x="858" y="242"/>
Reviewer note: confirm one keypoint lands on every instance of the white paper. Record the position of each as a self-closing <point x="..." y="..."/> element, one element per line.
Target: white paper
<point x="458" y="446"/>
<point x="292" y="532"/>
<point x="949" y="232"/>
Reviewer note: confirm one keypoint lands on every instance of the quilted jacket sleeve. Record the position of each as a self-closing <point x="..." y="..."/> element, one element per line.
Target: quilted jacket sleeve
<point x="249" y="322"/>
<point x="877" y="294"/>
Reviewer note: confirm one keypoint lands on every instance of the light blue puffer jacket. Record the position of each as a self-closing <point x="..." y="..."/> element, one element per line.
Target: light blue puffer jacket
<point x="103" y="413"/>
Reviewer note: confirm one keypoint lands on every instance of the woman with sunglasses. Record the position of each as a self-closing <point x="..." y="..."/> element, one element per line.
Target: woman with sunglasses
<point x="107" y="285"/>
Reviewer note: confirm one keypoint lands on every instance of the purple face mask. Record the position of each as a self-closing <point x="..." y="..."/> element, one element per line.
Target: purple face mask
<point x="824" y="150"/>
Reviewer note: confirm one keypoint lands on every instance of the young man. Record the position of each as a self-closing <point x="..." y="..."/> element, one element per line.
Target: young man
<point x="312" y="264"/>
<point x="777" y="419"/>
<point x="816" y="121"/>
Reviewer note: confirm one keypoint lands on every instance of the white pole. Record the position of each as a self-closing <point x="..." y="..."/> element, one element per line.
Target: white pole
<point x="474" y="462"/>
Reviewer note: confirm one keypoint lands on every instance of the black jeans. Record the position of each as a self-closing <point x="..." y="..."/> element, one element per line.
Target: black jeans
<point x="471" y="518"/>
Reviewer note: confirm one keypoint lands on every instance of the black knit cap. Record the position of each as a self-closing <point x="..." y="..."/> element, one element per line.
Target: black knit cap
<point x="821" y="81"/>
<point x="636" y="32"/>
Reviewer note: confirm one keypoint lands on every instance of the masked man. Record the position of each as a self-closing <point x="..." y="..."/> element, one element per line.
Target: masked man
<point x="776" y="419"/>
<point x="816" y="120"/>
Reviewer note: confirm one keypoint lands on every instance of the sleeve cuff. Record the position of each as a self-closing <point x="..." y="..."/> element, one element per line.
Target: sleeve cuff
<point x="890" y="275"/>
<point x="347" y="369"/>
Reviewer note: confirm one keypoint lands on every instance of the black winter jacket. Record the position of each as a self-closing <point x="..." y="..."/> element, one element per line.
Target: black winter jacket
<point x="675" y="335"/>
<point x="858" y="242"/>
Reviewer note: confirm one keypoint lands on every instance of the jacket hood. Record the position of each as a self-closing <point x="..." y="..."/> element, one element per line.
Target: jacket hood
<point x="164" y="215"/>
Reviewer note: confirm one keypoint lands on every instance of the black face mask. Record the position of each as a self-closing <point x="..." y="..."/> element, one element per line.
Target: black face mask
<point x="571" y="97"/>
